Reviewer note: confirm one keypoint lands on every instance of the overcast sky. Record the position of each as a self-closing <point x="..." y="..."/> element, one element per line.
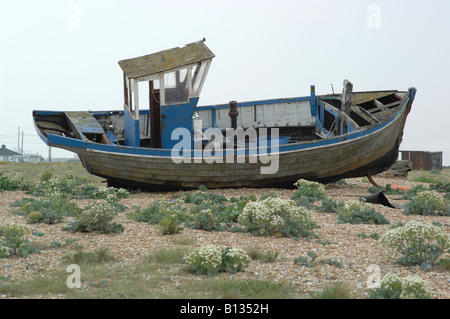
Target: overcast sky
<point x="62" y="55"/>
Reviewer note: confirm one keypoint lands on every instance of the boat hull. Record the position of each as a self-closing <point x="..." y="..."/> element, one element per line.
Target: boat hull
<point x="370" y="151"/>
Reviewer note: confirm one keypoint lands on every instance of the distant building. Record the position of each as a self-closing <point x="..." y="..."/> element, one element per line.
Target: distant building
<point x="7" y="155"/>
<point x="423" y="161"/>
<point x="14" y="157"/>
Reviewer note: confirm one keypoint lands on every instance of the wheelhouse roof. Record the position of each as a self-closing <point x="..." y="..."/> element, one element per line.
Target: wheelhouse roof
<point x="166" y="60"/>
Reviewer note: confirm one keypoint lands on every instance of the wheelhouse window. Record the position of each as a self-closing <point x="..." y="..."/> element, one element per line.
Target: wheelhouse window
<point x="198" y="76"/>
<point x="176" y="87"/>
<point x="179" y="85"/>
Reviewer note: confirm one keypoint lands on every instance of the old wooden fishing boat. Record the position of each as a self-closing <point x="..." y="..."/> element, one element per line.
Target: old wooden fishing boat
<point x="176" y="144"/>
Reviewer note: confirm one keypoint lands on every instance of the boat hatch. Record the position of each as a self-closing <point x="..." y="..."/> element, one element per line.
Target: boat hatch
<point x="87" y="127"/>
<point x="175" y="78"/>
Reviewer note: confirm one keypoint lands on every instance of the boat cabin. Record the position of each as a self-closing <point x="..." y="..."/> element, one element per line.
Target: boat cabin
<point x="175" y="78"/>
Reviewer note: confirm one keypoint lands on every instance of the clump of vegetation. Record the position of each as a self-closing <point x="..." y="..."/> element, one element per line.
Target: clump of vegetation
<point x="443" y="264"/>
<point x="202" y="195"/>
<point x="99" y="256"/>
<point x="394" y="287"/>
<point x="427" y="203"/>
<point x="152" y="215"/>
<point x="77" y="188"/>
<point x="97" y="218"/>
<point x="277" y="217"/>
<point x="49" y="210"/>
<point x="375" y="236"/>
<point x="410" y="193"/>
<point x="204" y="219"/>
<point x="231" y="212"/>
<point x="211" y="260"/>
<point x="360" y="212"/>
<point x="13" y="242"/>
<point x="302" y="260"/>
<point x="263" y="256"/>
<point x="12" y="184"/>
<point x="339" y="290"/>
<point x="441" y="186"/>
<point x="329" y="205"/>
<point x="169" y="225"/>
<point x="417" y="243"/>
<point x="308" y="192"/>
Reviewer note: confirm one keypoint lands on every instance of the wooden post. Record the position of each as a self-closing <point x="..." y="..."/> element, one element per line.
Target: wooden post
<point x="233" y="114"/>
<point x="347" y="96"/>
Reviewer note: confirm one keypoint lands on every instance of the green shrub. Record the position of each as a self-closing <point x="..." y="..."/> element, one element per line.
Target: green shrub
<point x="46" y="176"/>
<point x="308" y="192"/>
<point x="360" y="212"/>
<point x="278" y="217"/>
<point x="394" y="287"/>
<point x="99" y="256"/>
<point x="417" y="243"/>
<point x="375" y="236"/>
<point x="262" y="256"/>
<point x="12" y="184"/>
<point x="410" y="193"/>
<point x="204" y="219"/>
<point x="331" y="262"/>
<point x="211" y="260"/>
<point x="12" y="238"/>
<point x="97" y="218"/>
<point x="231" y="212"/>
<point x="443" y="264"/>
<point x="330" y="206"/>
<point x="338" y="290"/>
<point x="77" y="187"/>
<point x="442" y="187"/>
<point x="49" y="210"/>
<point x="202" y="195"/>
<point x="302" y="260"/>
<point x="427" y="203"/>
<point x="151" y="215"/>
<point x="169" y="225"/>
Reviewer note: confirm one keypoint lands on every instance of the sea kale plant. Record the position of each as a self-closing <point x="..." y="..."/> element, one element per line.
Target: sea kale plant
<point x="96" y="218"/>
<point x="278" y="217"/>
<point x="308" y="192"/>
<point x="12" y="184"/>
<point x="427" y="203"/>
<point x="77" y="188"/>
<point x="417" y="243"/>
<point x="211" y="260"/>
<point x="395" y="287"/>
<point x="12" y="238"/>
<point x="359" y="212"/>
<point x="50" y="210"/>
<point x="329" y="205"/>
